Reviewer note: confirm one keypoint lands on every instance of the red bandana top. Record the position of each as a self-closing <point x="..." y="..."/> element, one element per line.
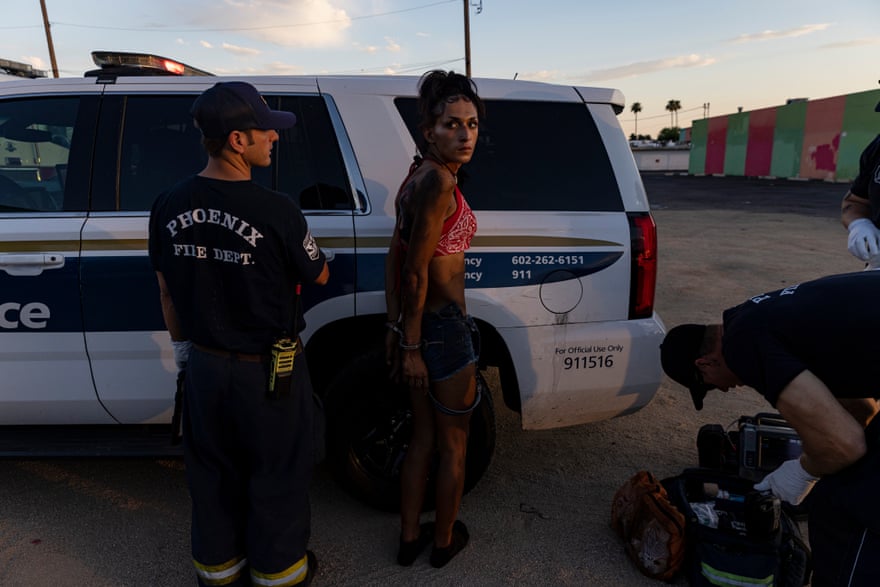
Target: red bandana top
<point x="458" y="229"/>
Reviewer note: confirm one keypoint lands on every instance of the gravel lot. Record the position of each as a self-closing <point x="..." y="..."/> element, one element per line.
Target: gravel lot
<point x="540" y="515"/>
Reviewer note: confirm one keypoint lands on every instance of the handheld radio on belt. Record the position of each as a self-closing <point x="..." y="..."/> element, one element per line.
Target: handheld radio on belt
<point x="283" y="353"/>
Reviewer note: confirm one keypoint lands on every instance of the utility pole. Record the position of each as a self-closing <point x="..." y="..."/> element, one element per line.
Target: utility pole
<point x="467" y="38"/>
<point x="49" y="39"/>
<point x="467" y="34"/>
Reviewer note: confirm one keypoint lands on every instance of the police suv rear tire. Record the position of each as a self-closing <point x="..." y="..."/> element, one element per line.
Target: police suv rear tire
<point x="369" y="427"/>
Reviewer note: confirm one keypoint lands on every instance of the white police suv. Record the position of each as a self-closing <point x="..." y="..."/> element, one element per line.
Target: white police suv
<point x="561" y="273"/>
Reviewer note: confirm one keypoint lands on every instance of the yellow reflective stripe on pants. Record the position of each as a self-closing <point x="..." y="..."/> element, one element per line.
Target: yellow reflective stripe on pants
<point x="292" y="575"/>
<point x="222" y="574"/>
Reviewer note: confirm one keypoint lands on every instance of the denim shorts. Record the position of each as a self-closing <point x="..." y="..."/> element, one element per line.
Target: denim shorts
<point x="450" y="342"/>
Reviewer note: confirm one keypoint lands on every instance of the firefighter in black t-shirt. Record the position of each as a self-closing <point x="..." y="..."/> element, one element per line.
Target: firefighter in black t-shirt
<point x="813" y="352"/>
<point x="230" y="256"/>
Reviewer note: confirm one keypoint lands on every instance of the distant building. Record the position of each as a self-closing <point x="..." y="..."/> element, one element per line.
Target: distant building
<point x="657" y="157"/>
<point x="804" y="139"/>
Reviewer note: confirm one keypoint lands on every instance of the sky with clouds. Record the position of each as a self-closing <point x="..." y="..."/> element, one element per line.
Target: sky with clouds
<point x="712" y="57"/>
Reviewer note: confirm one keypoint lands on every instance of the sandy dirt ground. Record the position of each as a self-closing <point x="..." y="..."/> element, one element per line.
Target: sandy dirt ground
<point x="540" y="516"/>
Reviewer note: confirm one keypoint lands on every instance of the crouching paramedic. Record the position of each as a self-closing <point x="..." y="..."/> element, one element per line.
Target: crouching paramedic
<point x="234" y="320"/>
<point x="813" y="351"/>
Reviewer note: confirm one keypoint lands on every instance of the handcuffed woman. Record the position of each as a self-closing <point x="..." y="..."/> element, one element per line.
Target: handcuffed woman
<point x="432" y="344"/>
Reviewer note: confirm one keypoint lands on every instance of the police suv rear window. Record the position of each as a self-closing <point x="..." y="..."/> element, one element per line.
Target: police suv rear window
<point x="535" y="156"/>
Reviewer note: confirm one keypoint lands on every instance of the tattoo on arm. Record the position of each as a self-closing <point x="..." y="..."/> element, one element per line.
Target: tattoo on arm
<point x="431" y="185"/>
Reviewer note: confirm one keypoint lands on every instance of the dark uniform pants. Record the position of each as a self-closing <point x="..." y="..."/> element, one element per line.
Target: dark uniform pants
<point x="249" y="461"/>
<point x="844" y="522"/>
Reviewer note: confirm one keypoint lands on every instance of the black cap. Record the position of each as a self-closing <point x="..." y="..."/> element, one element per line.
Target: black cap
<point x="229" y="106"/>
<point x="679" y="352"/>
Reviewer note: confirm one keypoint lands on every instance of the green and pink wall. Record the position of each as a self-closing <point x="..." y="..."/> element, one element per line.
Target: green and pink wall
<point x="811" y="139"/>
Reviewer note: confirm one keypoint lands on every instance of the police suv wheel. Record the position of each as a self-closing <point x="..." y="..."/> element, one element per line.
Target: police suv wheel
<point x="369" y="426"/>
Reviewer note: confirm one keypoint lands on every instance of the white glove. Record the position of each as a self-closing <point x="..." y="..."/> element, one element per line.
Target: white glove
<point x="789" y="482"/>
<point x="181" y="353"/>
<point x="864" y="239"/>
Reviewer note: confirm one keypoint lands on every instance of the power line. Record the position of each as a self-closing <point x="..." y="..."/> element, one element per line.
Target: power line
<point x="660" y="115"/>
<point x="406" y="68"/>
<point x="236" y="29"/>
<point x="429" y="65"/>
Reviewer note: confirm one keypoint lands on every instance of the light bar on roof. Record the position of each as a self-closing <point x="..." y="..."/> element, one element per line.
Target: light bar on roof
<point x="106" y="59"/>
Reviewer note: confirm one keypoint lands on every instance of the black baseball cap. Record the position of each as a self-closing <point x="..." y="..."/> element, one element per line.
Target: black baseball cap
<point x="679" y="352"/>
<point x="229" y="106"/>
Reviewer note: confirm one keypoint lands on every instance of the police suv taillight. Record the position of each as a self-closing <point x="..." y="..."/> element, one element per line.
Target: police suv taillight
<point x="643" y="259"/>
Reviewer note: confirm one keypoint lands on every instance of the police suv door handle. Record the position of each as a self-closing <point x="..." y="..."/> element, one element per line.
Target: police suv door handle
<point x="329" y="254"/>
<point x="30" y="264"/>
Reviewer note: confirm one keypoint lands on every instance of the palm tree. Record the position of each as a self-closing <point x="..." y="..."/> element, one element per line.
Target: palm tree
<point x="673" y="106"/>
<point x="635" y="108"/>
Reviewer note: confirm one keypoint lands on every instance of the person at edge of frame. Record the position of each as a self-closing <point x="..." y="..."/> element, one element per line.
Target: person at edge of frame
<point x="247" y="438"/>
<point x="432" y="344"/>
<point x="860" y="209"/>
<point x="811" y="350"/>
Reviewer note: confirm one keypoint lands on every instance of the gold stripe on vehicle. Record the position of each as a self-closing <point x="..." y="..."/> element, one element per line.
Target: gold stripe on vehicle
<point x="122" y="244"/>
<point x="509" y="241"/>
<point x="140" y="244"/>
<point x="540" y="241"/>
<point x="46" y="246"/>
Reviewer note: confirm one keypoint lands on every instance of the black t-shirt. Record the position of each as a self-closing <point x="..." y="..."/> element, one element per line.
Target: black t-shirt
<point x="867" y="183"/>
<point x="232" y="253"/>
<point x="829" y="326"/>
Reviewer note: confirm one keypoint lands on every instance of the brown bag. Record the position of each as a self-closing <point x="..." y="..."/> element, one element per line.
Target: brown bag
<point x="651" y="527"/>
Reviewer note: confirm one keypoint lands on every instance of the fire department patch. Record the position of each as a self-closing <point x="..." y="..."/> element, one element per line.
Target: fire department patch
<point x="311" y="247"/>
